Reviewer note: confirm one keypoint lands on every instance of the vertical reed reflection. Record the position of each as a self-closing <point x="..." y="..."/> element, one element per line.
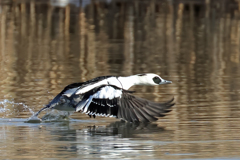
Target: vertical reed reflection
<point x="45" y="46"/>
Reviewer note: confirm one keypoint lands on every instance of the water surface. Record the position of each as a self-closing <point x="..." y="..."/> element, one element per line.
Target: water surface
<point x="46" y="45"/>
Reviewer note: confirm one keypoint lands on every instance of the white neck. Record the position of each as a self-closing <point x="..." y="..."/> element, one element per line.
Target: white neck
<point x="128" y="82"/>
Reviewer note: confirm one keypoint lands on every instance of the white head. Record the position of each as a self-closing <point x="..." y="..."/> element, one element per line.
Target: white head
<point x="150" y="79"/>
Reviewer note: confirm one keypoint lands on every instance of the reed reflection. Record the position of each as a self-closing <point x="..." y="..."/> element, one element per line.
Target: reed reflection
<point x="57" y="45"/>
<point x="44" y="46"/>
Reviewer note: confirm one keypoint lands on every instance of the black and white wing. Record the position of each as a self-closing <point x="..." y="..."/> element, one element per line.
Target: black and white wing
<point x="112" y="101"/>
<point x="58" y="101"/>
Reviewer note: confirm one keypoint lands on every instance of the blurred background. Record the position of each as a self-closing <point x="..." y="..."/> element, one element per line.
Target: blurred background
<point x="48" y="44"/>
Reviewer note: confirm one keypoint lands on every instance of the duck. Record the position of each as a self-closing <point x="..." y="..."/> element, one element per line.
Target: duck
<point x="110" y="96"/>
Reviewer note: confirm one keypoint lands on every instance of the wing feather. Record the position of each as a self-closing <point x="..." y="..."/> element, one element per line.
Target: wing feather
<point x="140" y="115"/>
<point x="108" y="100"/>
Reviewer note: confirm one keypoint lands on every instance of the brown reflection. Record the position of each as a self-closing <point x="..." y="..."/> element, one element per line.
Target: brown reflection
<point x="47" y="45"/>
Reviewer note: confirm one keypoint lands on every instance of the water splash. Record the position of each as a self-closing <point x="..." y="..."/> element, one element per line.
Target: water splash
<point x="51" y="116"/>
<point x="4" y="109"/>
<point x="8" y="107"/>
<point x="33" y="119"/>
<point x="55" y="115"/>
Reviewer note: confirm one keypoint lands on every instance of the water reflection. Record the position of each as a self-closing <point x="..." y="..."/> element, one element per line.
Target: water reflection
<point x="88" y="139"/>
<point x="125" y="130"/>
<point x="77" y="139"/>
<point x="46" y="45"/>
<point x="112" y="139"/>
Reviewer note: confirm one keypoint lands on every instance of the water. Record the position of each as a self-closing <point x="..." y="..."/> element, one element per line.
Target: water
<point x="47" y="45"/>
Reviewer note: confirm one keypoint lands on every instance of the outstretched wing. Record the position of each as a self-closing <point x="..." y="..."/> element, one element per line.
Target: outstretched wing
<point x="132" y="108"/>
<point x="112" y="101"/>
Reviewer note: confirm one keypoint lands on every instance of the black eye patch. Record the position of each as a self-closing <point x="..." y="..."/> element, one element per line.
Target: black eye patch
<point x="157" y="80"/>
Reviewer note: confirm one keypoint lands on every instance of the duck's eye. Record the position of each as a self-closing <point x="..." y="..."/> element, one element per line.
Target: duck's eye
<point x="157" y="80"/>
